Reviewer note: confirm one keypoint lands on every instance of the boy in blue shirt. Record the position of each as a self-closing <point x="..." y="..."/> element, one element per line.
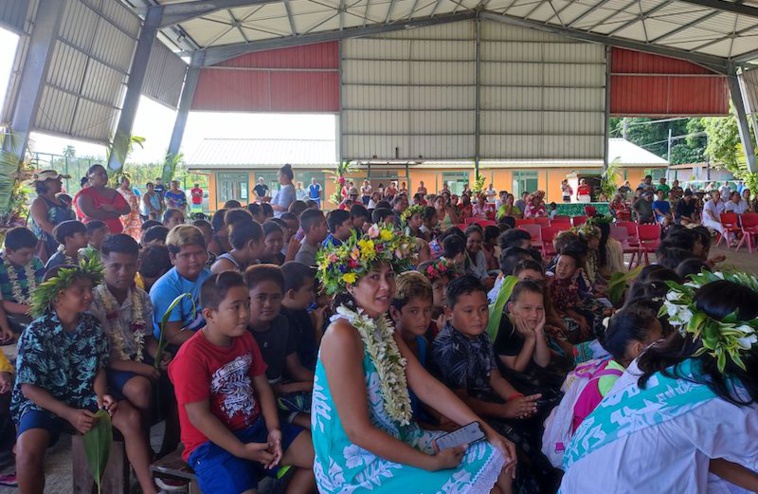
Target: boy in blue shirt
<point x="662" y="209"/>
<point x="187" y="250"/>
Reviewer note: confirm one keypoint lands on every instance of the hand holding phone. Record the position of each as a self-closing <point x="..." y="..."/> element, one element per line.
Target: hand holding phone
<point x="468" y="434"/>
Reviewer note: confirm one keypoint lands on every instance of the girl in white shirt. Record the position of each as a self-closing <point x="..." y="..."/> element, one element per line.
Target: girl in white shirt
<point x="686" y="406"/>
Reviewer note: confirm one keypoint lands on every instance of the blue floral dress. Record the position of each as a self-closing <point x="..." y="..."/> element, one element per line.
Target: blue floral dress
<point x="344" y="468"/>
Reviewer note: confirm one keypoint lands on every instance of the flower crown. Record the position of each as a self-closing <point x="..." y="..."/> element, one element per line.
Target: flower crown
<point x="339" y="266"/>
<point x="48" y="290"/>
<point x="439" y="268"/>
<point x="720" y="338"/>
<point x="410" y="211"/>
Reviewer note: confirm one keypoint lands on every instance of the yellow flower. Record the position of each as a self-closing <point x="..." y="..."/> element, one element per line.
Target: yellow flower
<point x="367" y="247"/>
<point x="348" y="278"/>
<point x="386" y="235"/>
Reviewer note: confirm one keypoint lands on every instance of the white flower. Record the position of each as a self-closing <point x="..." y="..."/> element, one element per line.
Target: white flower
<point x="745" y="329"/>
<point x="747" y="342"/>
<point x="719" y="275"/>
<point x="672" y="296"/>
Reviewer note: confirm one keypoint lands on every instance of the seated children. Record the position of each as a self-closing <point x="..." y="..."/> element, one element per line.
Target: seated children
<point x="299" y="295"/>
<point x="430" y="221"/>
<point x="229" y="421"/>
<point x="70" y="236"/>
<point x="155" y="235"/>
<point x="291" y="382"/>
<point x="97" y="231"/>
<point x="246" y="237"/>
<point x="383" y="215"/>
<point x="454" y="250"/>
<point x="564" y="294"/>
<point x="273" y="241"/>
<point x="61" y="378"/>
<point x="125" y="314"/>
<point x="475" y="262"/>
<point x="220" y="242"/>
<point x="490" y="248"/>
<point x="463" y="356"/>
<point x="187" y="251"/>
<point x="20" y="275"/>
<point x="360" y="217"/>
<point x="520" y="341"/>
<point x="340" y="227"/>
<point x="154" y="262"/>
<point x="173" y="217"/>
<point x="412" y="218"/>
<point x="314" y="227"/>
<point x="439" y="273"/>
<point x="207" y="230"/>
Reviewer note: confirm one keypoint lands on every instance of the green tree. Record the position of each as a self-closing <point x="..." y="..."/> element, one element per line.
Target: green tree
<point x="725" y="148"/>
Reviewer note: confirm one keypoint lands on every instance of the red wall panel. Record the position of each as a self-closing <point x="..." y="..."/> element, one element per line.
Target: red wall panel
<point x="651" y="85"/>
<point x="298" y="80"/>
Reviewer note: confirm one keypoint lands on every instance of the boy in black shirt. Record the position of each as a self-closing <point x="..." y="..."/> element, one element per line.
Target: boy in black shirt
<point x="292" y="383"/>
<point x="299" y="295"/>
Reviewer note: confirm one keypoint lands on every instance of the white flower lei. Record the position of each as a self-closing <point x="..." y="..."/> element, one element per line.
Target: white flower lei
<point x="390" y="365"/>
<point x="138" y="323"/>
<point x="68" y="260"/>
<point x="31" y="282"/>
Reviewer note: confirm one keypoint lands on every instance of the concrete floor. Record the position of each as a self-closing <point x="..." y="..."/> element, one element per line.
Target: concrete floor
<point x="58" y="469"/>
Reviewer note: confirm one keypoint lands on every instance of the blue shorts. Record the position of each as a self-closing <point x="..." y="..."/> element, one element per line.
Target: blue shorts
<point x="42" y="419"/>
<point x="117" y="379"/>
<point x="220" y="472"/>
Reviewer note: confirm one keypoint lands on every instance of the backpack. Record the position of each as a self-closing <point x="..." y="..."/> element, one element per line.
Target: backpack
<point x="558" y="425"/>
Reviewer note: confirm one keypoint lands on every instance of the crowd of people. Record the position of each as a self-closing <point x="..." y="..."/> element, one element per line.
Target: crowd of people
<point x="341" y="346"/>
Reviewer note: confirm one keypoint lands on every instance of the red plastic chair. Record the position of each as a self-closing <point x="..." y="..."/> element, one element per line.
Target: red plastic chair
<point x="730" y="222"/>
<point x="471" y="220"/>
<point x="548" y="233"/>
<point x="650" y="238"/>
<point x="579" y="220"/>
<point x="484" y="223"/>
<point x="524" y="221"/>
<point x="623" y="216"/>
<point x="561" y="220"/>
<point x="535" y="232"/>
<point x="749" y="230"/>
<point x="631" y="244"/>
<point x="542" y="221"/>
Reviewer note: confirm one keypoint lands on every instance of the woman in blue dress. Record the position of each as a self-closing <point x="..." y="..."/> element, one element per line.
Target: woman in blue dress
<point x="363" y="436"/>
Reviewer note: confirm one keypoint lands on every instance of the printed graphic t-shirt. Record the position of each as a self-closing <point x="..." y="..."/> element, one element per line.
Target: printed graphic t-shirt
<point x="223" y="376"/>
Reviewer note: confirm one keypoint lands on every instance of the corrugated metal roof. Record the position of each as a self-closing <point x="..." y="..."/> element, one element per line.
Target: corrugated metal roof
<point x="226" y="153"/>
<point x="707" y="29"/>
<point x="165" y="76"/>
<point x="629" y="154"/>
<point x="13" y="14"/>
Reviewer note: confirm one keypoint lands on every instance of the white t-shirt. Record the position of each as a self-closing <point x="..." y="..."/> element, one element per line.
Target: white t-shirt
<point x="738" y="208"/>
<point x="715" y="208"/>
<point x="672" y="456"/>
<point x="284" y="198"/>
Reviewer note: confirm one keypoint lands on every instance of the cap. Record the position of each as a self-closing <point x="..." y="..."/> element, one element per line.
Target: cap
<point x="48" y="175"/>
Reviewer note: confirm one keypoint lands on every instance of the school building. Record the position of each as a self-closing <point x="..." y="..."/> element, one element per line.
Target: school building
<point x="234" y="166"/>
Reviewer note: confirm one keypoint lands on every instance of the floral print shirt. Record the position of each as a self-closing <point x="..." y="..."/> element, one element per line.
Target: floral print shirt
<point x="62" y="363"/>
<point x="463" y="362"/>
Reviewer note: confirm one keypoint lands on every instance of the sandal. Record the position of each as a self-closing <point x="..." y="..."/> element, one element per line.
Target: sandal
<point x="9" y="480"/>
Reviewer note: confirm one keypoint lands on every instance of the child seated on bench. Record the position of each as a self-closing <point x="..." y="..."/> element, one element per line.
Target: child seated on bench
<point x="229" y="421"/>
<point x="292" y="383"/>
<point x="20" y="274"/>
<point x="61" y="377"/>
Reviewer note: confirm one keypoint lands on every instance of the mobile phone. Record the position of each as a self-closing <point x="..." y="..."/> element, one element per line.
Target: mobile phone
<point x="468" y="434"/>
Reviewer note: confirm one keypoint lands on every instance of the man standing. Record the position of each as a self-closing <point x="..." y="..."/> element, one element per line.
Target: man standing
<point x="662" y="185"/>
<point x="160" y="189"/>
<point x="644" y="208"/>
<point x="314" y="192"/>
<point x="260" y="190"/>
<point x="197" y="199"/>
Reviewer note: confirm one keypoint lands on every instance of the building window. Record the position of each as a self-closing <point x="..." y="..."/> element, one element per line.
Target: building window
<point x="524" y="182"/>
<point x="455" y="181"/>
<point x="232" y="186"/>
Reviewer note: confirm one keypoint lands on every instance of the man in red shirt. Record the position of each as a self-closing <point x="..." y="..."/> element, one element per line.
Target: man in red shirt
<point x="197" y="199"/>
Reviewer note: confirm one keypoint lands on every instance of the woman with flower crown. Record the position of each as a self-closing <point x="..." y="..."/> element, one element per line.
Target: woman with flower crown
<point x="685" y="401"/>
<point x="362" y="434"/>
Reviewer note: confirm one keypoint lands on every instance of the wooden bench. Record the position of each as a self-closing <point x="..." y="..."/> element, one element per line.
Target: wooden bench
<point x="173" y="467"/>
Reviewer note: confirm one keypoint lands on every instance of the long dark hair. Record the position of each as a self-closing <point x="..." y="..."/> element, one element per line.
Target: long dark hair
<point x="718" y="300"/>
<point x="602" y="251"/>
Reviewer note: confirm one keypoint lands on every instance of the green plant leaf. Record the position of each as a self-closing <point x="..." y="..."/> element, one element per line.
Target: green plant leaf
<point x="496" y="309"/>
<point x="162" y="342"/>
<point x="97" y="446"/>
<point x="618" y="284"/>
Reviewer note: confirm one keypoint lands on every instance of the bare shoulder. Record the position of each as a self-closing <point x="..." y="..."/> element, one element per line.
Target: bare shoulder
<point x="341" y="336"/>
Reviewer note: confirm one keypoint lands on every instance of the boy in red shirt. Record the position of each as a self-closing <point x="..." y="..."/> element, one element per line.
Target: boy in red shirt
<point x="228" y="415"/>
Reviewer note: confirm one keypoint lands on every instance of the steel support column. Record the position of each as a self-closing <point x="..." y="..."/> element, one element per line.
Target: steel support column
<point x="607" y="113"/>
<point x="185" y="103"/>
<point x="478" y="102"/>
<point x="137" y="72"/>
<point x="41" y="46"/>
<point x="742" y="124"/>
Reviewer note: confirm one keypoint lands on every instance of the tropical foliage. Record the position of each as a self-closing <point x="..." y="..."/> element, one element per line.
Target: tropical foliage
<point x="97" y="446"/>
<point x="339" y="175"/>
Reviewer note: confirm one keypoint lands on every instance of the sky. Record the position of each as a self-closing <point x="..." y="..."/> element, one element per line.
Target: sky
<point x="155" y="122"/>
